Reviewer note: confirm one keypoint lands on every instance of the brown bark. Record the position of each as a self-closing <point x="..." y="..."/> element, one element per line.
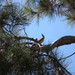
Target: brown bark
<point x="65" y="40"/>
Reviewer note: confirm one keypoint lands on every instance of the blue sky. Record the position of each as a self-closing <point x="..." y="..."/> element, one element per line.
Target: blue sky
<point x="52" y="30"/>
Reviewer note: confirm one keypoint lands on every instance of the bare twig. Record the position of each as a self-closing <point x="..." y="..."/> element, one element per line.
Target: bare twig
<point x="67" y="56"/>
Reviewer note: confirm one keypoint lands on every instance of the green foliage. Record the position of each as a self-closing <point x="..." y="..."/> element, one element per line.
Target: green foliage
<point x="11" y="16"/>
<point x="15" y="58"/>
<point x="53" y="8"/>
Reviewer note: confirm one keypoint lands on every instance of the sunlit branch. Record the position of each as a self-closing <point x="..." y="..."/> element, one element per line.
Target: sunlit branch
<point x="65" y="40"/>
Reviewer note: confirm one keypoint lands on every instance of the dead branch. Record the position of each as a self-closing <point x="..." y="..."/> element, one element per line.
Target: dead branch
<point x="31" y="39"/>
<point x="65" y="40"/>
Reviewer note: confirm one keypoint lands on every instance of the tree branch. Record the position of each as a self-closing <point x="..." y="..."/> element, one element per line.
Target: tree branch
<point x="62" y="41"/>
<point x="65" y="40"/>
<point x="67" y="56"/>
<point x="57" y="62"/>
<point x="31" y="39"/>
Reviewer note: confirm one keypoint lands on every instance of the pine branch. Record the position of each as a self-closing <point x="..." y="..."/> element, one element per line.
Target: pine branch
<point x="56" y="60"/>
